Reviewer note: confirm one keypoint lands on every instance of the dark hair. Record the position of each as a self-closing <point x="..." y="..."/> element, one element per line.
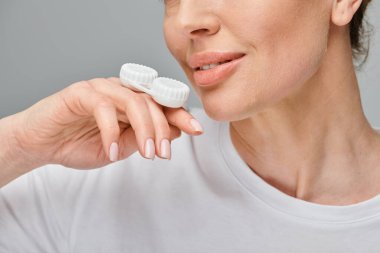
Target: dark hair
<point x="360" y="30"/>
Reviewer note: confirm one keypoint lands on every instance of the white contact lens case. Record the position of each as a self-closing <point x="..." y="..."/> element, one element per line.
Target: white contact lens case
<point x="165" y="91"/>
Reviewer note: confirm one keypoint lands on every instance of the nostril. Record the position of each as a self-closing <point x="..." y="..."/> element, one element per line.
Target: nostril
<point x="198" y="27"/>
<point x="200" y="31"/>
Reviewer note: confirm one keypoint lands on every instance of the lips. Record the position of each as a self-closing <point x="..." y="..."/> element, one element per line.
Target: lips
<point x="203" y="59"/>
<point x="214" y="67"/>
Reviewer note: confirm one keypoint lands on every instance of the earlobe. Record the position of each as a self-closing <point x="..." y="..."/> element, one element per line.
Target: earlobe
<point x="344" y="10"/>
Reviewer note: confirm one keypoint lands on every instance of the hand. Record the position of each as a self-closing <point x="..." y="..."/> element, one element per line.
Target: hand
<point x="91" y="123"/>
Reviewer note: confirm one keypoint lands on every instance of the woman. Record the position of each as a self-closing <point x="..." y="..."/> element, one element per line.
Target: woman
<point x="287" y="161"/>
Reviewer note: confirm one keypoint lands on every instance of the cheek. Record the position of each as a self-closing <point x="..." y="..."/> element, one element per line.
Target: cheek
<point x="175" y="42"/>
<point x="284" y="52"/>
<point x="287" y="49"/>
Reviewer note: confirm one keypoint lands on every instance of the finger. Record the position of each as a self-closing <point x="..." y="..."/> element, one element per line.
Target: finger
<point x="106" y="119"/>
<point x="128" y="144"/>
<point x="175" y="132"/>
<point x="136" y="110"/>
<point x="118" y="94"/>
<point x="83" y="99"/>
<point x="162" y="129"/>
<point x="182" y="119"/>
<point x="140" y="118"/>
<point x="115" y="80"/>
<point x="178" y="117"/>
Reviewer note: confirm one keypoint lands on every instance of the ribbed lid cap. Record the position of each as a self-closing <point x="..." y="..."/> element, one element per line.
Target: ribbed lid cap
<point x="132" y="74"/>
<point x="170" y="92"/>
<point x="165" y="91"/>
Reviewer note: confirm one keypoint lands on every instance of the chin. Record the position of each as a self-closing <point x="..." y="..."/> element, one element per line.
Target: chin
<point x="224" y="111"/>
<point x="218" y="114"/>
<point x="235" y="107"/>
<point x="234" y="100"/>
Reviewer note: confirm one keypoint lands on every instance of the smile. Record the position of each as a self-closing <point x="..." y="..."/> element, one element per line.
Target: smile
<point x="211" y="68"/>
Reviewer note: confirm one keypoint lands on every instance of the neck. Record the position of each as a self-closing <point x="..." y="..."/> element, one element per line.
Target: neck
<point x="316" y="144"/>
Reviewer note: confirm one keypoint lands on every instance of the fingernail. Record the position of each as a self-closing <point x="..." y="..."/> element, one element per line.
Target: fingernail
<point x="165" y="148"/>
<point x="196" y="126"/>
<point x="149" y="149"/>
<point x="114" y="152"/>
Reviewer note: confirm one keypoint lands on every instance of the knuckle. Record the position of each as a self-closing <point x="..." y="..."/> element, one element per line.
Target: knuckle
<point x="113" y="128"/>
<point x="147" y="126"/>
<point x="169" y="112"/>
<point x="173" y="119"/>
<point x="96" y="82"/>
<point x="138" y="99"/>
<point x="164" y="129"/>
<point x="146" y="96"/>
<point x="104" y="102"/>
<point x="147" y="132"/>
<point x="109" y="126"/>
<point x="76" y="90"/>
<point x="152" y="102"/>
<point x="144" y="128"/>
<point x="113" y="79"/>
<point x="82" y="85"/>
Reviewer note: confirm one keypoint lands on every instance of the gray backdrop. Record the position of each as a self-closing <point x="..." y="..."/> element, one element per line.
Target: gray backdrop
<point x="45" y="45"/>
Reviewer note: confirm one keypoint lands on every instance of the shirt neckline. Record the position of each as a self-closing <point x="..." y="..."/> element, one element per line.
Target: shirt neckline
<point x="284" y="203"/>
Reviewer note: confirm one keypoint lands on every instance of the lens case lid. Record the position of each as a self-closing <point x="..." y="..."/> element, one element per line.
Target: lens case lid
<point x="165" y="91"/>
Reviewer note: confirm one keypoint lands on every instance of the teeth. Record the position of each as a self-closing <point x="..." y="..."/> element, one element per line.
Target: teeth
<point x="210" y="66"/>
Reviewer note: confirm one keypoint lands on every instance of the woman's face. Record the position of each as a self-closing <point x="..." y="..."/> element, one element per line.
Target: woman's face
<point x="271" y="48"/>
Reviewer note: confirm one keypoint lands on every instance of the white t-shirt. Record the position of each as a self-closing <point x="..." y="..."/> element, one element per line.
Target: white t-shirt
<point x="206" y="199"/>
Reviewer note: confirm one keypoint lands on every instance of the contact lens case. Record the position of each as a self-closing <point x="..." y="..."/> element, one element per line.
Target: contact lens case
<point x="165" y="91"/>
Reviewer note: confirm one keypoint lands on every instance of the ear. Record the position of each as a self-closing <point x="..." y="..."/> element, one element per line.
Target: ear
<point x="344" y="10"/>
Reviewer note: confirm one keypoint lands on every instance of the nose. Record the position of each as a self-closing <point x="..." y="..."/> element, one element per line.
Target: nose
<point x="196" y="20"/>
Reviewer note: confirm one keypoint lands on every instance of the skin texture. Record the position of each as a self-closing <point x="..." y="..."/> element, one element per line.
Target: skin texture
<point x="293" y="103"/>
<point x="88" y="125"/>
